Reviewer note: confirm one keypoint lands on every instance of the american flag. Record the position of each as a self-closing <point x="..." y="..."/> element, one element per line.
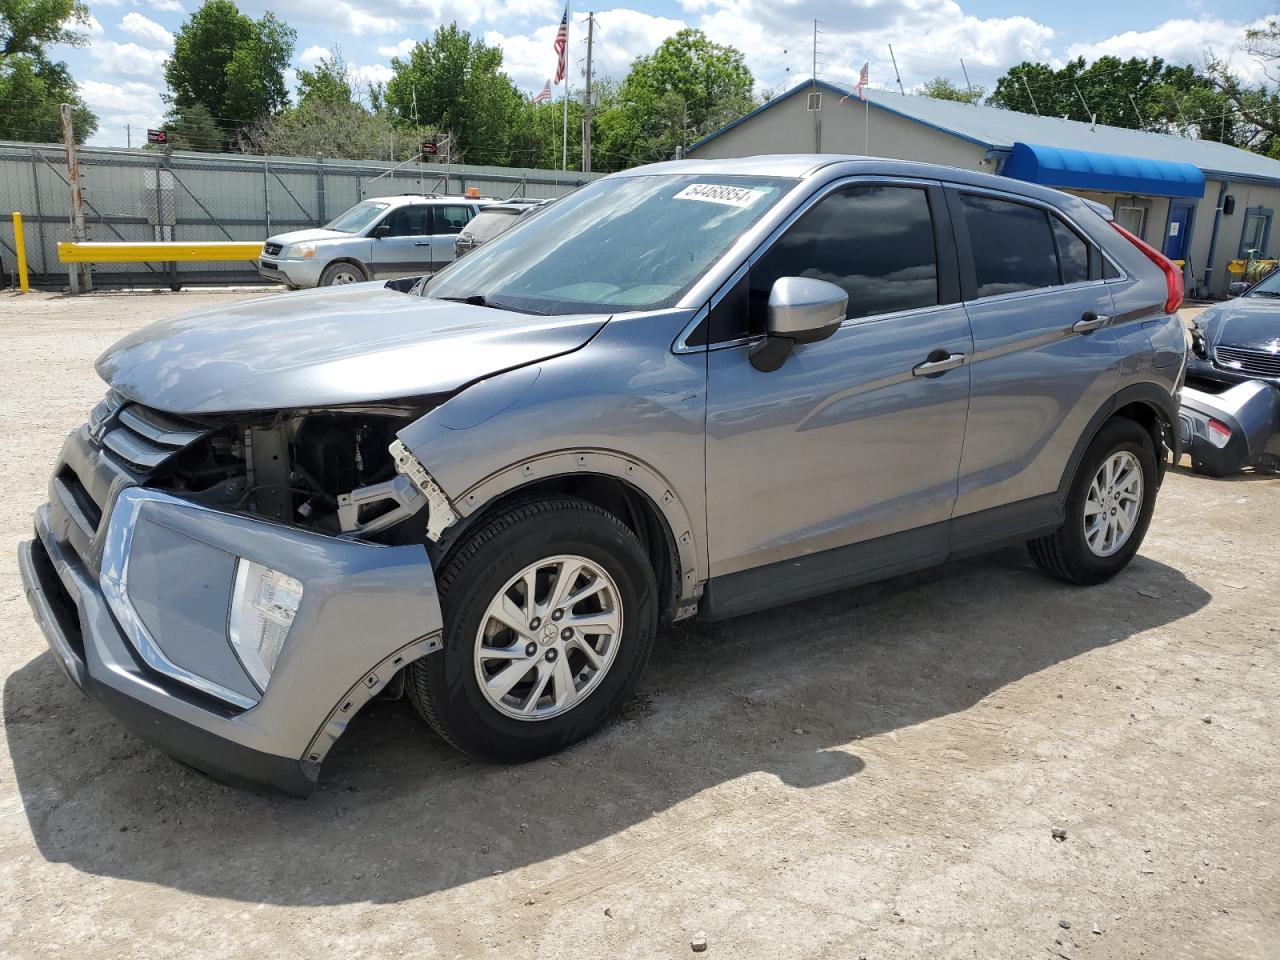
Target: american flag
<point x="543" y="95"/>
<point x="562" y="46"/>
<point x="862" y="81"/>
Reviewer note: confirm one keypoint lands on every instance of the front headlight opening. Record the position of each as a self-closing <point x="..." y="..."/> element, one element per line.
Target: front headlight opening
<point x="263" y="606"/>
<point x="300" y="251"/>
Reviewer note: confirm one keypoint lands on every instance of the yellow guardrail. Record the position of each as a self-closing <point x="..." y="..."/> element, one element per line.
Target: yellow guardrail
<point x="158" y="252"/>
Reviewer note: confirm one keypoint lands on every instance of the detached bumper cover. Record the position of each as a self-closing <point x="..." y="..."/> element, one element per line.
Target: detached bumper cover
<point x="367" y="611"/>
<point x="1250" y="410"/>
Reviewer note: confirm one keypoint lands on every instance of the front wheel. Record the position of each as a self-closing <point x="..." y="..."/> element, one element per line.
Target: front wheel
<point x="1108" y="508"/>
<point x="550" y="610"/>
<point x="336" y="274"/>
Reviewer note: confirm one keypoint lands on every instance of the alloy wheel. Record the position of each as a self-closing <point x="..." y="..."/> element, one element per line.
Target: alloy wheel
<point x="548" y="637"/>
<point x="1113" y="503"/>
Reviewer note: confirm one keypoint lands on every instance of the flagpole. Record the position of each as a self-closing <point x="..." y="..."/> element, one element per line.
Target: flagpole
<point x="564" y="143"/>
<point x="866" y="126"/>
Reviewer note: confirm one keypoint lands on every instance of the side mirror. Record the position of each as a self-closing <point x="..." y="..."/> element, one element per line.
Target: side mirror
<point x="382" y="230"/>
<point x="801" y="310"/>
<point x="1237" y="289"/>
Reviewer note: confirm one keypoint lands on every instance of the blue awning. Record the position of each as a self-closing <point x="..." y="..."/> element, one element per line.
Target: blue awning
<point x="1107" y="172"/>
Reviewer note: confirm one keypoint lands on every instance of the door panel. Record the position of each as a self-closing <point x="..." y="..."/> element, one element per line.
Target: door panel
<point x="407" y="250"/>
<point x="1036" y="384"/>
<point x="841" y="444"/>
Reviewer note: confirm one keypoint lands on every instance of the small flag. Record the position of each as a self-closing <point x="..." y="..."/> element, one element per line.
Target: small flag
<point x="561" y="46"/>
<point x="543" y="95"/>
<point x="862" y="81"/>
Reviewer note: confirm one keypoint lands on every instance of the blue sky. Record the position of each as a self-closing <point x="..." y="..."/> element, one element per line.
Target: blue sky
<point x="120" y="71"/>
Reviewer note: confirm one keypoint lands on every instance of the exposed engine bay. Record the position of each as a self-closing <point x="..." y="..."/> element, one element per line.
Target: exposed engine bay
<point x="325" y="470"/>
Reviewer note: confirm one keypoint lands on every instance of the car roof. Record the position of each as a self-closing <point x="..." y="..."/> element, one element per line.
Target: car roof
<point x="396" y="200"/>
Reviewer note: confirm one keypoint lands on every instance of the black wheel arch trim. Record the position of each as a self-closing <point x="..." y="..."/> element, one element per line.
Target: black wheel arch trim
<point x="1158" y="398"/>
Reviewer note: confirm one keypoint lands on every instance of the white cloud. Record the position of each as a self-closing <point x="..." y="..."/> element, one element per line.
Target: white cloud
<point x="400" y="49"/>
<point x="116" y="60"/>
<point x="165" y="6"/>
<point x="621" y="36"/>
<point x="312" y="55"/>
<point x="1181" y="42"/>
<point x="370" y="73"/>
<point x="144" y="28"/>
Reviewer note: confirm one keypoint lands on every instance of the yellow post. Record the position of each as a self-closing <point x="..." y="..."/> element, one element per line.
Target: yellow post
<point x="20" y="247"/>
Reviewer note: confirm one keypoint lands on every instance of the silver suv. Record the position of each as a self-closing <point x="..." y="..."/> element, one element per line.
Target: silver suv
<point x="377" y="239"/>
<point x="691" y="389"/>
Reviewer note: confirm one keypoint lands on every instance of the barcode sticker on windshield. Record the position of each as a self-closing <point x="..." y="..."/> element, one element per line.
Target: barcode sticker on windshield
<point x="719" y="193"/>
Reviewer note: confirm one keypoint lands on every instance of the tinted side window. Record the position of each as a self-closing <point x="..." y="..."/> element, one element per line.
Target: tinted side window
<point x="408" y="221"/>
<point x="874" y="241"/>
<point x="1012" y="245"/>
<point x="451" y="218"/>
<point x="1073" y="253"/>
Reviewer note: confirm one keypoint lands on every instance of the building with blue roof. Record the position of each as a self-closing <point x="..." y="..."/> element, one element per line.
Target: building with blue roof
<point x="1200" y="202"/>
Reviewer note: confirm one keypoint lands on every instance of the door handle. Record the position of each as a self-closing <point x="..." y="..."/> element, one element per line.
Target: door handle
<point x="939" y="362"/>
<point x="422" y="243"/>
<point x="1089" y="323"/>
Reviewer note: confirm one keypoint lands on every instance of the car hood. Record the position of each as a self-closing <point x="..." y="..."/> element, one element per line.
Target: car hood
<point x="1251" y="322"/>
<point x="311" y="235"/>
<point x="329" y="347"/>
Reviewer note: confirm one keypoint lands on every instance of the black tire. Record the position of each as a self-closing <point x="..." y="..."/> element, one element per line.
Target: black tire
<point x="1065" y="553"/>
<point x="443" y="686"/>
<point x="341" y="268"/>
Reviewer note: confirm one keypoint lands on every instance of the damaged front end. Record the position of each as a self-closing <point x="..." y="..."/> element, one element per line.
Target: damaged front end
<point x="235" y="587"/>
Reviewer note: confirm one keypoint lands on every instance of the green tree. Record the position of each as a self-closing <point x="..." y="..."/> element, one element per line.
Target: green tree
<point x="32" y="86"/>
<point x="32" y="91"/>
<point x="230" y="65"/>
<point x="454" y="83"/>
<point x="28" y="26"/>
<point x="683" y="91"/>
<point x="331" y="120"/>
<point x="1142" y="94"/>
<point x="940" y="88"/>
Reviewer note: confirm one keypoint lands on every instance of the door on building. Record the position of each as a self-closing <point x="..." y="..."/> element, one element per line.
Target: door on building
<point x="1177" y="240"/>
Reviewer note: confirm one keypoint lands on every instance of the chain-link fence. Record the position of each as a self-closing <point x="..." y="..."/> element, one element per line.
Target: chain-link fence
<point x="144" y="195"/>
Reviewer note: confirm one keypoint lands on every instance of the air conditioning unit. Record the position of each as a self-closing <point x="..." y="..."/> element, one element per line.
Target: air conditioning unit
<point x="815" y="101"/>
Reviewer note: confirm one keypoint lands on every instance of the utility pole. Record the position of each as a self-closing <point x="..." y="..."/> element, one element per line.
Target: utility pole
<point x="564" y="134"/>
<point x="586" y="100"/>
<point x="896" y="75"/>
<point x="128" y="137"/>
<point x="815" y="50"/>
<point x="79" y="272"/>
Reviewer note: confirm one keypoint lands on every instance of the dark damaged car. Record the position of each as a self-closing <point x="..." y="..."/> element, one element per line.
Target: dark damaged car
<point x="1230" y="416"/>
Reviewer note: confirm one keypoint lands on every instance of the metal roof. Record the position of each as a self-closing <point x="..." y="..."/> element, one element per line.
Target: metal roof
<point x="999" y="129"/>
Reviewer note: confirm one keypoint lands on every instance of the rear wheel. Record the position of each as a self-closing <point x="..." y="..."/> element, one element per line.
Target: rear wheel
<point x="550" y="610"/>
<point x="340" y="273"/>
<point x="1108" y="508"/>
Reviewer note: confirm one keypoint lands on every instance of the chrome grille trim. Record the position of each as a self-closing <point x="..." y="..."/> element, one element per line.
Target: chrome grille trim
<point x="139" y="436"/>
<point x="1258" y="362"/>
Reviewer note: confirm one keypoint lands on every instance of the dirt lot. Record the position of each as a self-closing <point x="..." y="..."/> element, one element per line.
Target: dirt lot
<point x="875" y="774"/>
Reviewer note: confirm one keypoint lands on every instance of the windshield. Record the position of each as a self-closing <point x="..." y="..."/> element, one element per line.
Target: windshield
<point x="626" y="243"/>
<point x="358" y="217"/>
<point x="1268" y="286"/>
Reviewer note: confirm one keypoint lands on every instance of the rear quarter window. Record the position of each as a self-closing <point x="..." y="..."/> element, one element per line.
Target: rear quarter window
<point x="1013" y="247"/>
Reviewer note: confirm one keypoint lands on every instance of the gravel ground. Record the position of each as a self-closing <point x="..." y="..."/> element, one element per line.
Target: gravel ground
<point x="876" y="774"/>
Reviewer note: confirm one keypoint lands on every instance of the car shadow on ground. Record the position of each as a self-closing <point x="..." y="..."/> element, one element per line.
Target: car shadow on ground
<point x="398" y="814"/>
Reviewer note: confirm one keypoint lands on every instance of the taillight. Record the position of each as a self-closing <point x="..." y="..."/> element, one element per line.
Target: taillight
<point x="1172" y="276"/>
